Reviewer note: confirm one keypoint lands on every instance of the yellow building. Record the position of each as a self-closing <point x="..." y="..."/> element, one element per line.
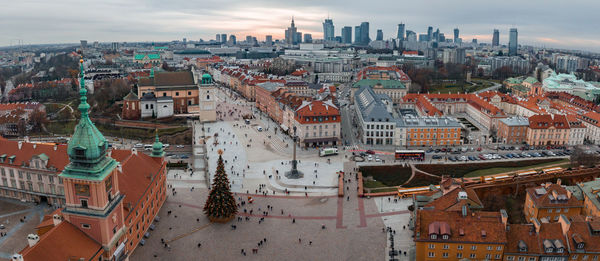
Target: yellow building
<point x="549" y="201"/>
<point x="454" y="235"/>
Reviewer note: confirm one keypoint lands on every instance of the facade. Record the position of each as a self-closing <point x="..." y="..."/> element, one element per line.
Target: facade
<point x="180" y="86"/>
<point x="591" y="199"/>
<point x="364" y="33"/>
<point x="570" y="84"/>
<point x="549" y="201"/>
<point x="548" y="129"/>
<point x="400" y="34"/>
<point x="427" y="131"/>
<point x="513" y="130"/>
<point x="151" y="106"/>
<point x="384" y="80"/>
<point x="108" y="197"/>
<point x="291" y="34"/>
<point x="131" y="107"/>
<point x="577" y="130"/>
<point x="318" y="124"/>
<point x="459" y="234"/>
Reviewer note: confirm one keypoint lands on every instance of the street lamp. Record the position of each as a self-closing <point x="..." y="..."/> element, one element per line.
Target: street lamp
<point x="294" y="173"/>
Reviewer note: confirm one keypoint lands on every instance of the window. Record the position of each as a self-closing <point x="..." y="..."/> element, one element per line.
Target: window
<point x="446" y="246"/>
<point x="84" y="203"/>
<point x="521" y="258"/>
<point x="549" y="210"/>
<point x="445" y="255"/>
<point x="189" y="93"/>
<point x="86" y="226"/>
<point x="489" y="248"/>
<point x="532" y="259"/>
<point x="176" y="93"/>
<point x="473" y="247"/>
<point x="499" y="248"/>
<point x="460" y="247"/>
<point x="431" y="254"/>
<point x="510" y="258"/>
<point x="472" y="255"/>
<point x="488" y="256"/>
<point x="459" y="255"/>
<point x="431" y="246"/>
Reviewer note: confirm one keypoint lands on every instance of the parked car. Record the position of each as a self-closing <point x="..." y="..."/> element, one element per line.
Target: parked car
<point x="370" y="152"/>
<point x="463" y="158"/>
<point x="479" y="149"/>
<point x="436" y="157"/>
<point x="370" y="158"/>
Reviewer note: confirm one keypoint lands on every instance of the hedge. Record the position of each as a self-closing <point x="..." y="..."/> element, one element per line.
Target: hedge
<point x="394" y="175"/>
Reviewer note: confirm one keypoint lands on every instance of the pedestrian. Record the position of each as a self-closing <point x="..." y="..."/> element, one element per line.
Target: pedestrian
<point x="300" y="240"/>
<point x="199" y="245"/>
<point x="310" y="243"/>
<point x="293" y="220"/>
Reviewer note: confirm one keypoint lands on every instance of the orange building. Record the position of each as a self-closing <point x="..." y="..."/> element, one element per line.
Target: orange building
<point x="550" y="201"/>
<point x="548" y="129"/>
<point x="513" y="130"/>
<point x="180" y="86"/>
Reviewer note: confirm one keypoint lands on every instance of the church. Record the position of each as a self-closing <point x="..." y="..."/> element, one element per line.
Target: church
<point x="112" y="198"/>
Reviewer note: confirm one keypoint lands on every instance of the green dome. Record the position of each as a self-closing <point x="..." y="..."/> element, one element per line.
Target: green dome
<point x="87" y="148"/>
<point x="206" y="79"/>
<point x="157" y="147"/>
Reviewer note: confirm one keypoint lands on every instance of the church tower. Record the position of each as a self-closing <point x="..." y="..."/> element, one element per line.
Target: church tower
<point x="206" y="101"/>
<point x="93" y="200"/>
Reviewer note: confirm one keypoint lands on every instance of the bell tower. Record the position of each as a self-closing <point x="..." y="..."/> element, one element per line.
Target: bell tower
<point x="206" y="101"/>
<point x="93" y="199"/>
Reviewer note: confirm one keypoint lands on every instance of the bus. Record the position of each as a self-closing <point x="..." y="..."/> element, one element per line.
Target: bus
<point x="410" y="155"/>
<point x="328" y="152"/>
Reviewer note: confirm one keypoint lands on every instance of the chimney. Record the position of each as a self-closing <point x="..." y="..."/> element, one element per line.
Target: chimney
<point x="57" y="219"/>
<point x="20" y="144"/>
<point x="558" y="181"/>
<point x="504" y="218"/>
<point x="34" y="145"/>
<point x="32" y="239"/>
<point x="55" y="147"/>
<point x="17" y="257"/>
<point x="134" y="151"/>
<point x="120" y="168"/>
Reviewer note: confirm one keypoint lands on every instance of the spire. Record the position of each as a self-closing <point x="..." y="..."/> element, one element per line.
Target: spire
<point x="157" y="147"/>
<point x="293" y="21"/>
<point x="83" y="105"/>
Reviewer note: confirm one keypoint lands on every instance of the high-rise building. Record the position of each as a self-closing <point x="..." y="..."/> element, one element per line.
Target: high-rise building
<point x="496" y="38"/>
<point x="83" y="44"/>
<point x="328" y="30"/>
<point x="357" y="34"/>
<point x="184" y="41"/>
<point x="114" y="46"/>
<point x="218" y="38"/>
<point x="347" y="34"/>
<point x="308" y="38"/>
<point x="513" y="42"/>
<point x="430" y="33"/>
<point x="232" y="39"/>
<point x="290" y="33"/>
<point x="298" y="38"/>
<point x="269" y="40"/>
<point x="248" y="38"/>
<point x="456" y="35"/>
<point x="223" y="38"/>
<point x="400" y="35"/>
<point x="379" y="35"/>
<point x="411" y="36"/>
<point x="364" y="33"/>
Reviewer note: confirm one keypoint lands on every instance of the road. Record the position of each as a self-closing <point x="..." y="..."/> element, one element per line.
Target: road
<point x="495" y="87"/>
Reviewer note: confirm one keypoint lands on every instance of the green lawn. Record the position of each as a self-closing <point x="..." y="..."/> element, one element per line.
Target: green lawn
<point x="492" y="171"/>
<point x="373" y="184"/>
<point x="383" y="190"/>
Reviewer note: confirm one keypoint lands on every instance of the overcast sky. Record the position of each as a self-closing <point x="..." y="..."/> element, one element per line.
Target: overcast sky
<point x="571" y="24"/>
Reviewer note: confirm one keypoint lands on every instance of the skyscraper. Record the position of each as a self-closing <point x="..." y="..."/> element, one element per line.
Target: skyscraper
<point x="430" y="33"/>
<point x="513" y="42"/>
<point x="248" y="38"/>
<point x="328" y="30"/>
<point x="357" y="34"/>
<point x="400" y="35"/>
<point x="364" y="33"/>
<point x="298" y="38"/>
<point x="308" y="38"/>
<point x="232" y="39"/>
<point x="218" y="38"/>
<point x="290" y="33"/>
<point x="496" y="38"/>
<point x="379" y="35"/>
<point x="411" y="36"/>
<point x="269" y="40"/>
<point x="347" y="34"/>
<point x="223" y="38"/>
<point x="456" y="35"/>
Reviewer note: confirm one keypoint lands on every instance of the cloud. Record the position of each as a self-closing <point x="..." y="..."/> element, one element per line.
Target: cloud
<point x="551" y="23"/>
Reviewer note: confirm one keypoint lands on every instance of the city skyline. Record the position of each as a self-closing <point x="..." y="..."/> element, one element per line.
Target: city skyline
<point x="156" y="21"/>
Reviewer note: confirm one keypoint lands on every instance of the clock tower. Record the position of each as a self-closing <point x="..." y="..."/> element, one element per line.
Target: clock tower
<point x="206" y="102"/>
<point x="93" y="201"/>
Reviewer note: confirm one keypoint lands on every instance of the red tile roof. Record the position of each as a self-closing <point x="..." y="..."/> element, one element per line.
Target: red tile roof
<point x="317" y="108"/>
<point x="474" y="225"/>
<point x="549" y="198"/>
<point x="67" y="243"/>
<point x="545" y="121"/>
<point x="56" y="158"/>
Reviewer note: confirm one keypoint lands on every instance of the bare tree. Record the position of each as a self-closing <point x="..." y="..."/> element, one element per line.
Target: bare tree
<point x="580" y="157"/>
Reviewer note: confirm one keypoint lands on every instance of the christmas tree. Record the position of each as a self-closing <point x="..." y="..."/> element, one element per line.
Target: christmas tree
<point x="220" y="205"/>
